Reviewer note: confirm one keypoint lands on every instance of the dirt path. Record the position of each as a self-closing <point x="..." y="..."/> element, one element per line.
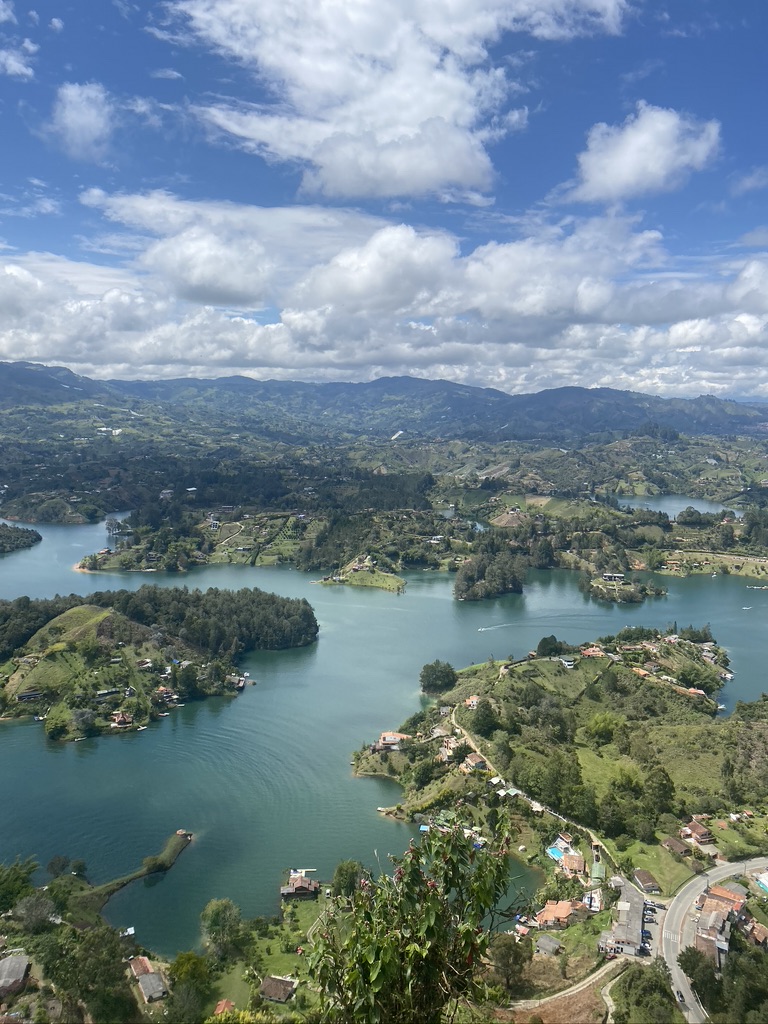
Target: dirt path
<point x="532" y="1004"/>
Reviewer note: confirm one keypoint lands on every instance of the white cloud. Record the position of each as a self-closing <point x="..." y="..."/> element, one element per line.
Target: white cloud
<point x="328" y="294"/>
<point x="756" y="179"/>
<point x="6" y="12"/>
<point x="168" y="73"/>
<point x="83" y="119"/>
<point x="15" y="62"/>
<point x="758" y="237"/>
<point x="56" y="25"/>
<point x="390" y="97"/>
<point x="654" y="150"/>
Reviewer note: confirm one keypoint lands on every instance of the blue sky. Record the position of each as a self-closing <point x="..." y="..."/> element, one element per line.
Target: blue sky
<point x="514" y="193"/>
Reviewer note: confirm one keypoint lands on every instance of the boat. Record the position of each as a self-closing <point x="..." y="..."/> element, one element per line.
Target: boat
<point x="164" y="714"/>
<point x="240" y="684"/>
<point x="721" y="707"/>
<point x="141" y="728"/>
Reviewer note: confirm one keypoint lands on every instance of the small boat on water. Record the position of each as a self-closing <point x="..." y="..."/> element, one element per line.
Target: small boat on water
<point x="164" y="714"/>
<point x="141" y="728"/>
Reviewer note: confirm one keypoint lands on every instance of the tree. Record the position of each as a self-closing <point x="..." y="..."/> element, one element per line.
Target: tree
<point x="57" y="865"/>
<point x="346" y="877"/>
<point x="15" y="882"/>
<point x="89" y="966"/>
<point x="410" y="943"/>
<point x="484" y="720"/>
<point x="437" y="677"/>
<point x="510" y="956"/>
<point x="34" y="911"/>
<point x="222" y="926"/>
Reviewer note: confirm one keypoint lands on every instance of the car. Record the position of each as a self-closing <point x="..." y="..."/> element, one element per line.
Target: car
<point x="680" y="996"/>
<point x="646" y="934"/>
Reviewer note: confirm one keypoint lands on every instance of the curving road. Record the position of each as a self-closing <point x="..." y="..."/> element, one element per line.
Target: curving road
<point x="679" y="928"/>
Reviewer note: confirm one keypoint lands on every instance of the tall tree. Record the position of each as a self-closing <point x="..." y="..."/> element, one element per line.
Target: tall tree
<point x="410" y="944"/>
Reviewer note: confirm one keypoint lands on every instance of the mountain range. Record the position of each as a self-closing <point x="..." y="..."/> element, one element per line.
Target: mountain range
<point x="410" y="407"/>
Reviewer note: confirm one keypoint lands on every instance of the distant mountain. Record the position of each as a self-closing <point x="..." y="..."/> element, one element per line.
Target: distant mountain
<point x="298" y="412"/>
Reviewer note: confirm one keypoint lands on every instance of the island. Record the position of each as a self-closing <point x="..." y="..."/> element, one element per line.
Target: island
<point x="16" y="538"/>
<point x="124" y="658"/>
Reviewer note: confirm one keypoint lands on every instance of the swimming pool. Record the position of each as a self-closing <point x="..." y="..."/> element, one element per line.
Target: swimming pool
<point x="555" y="853"/>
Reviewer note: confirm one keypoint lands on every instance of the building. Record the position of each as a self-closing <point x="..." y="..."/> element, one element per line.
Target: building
<point x="223" y="1006"/>
<point x="140" y="965"/>
<point x="277" y="989"/>
<point x="391" y="740"/>
<point x="548" y="946"/>
<point x="626" y="934"/>
<point x="573" y="864"/>
<point x="646" y="881"/>
<point x="300" y="887"/>
<point x="697" y="832"/>
<point x="14" y="971"/>
<point x="561" y="913"/>
<point x="676" y="846"/>
<point x="153" y="987"/>
<point x="472" y="763"/>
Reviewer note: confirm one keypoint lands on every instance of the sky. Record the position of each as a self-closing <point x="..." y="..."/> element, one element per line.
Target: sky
<point x="519" y="194"/>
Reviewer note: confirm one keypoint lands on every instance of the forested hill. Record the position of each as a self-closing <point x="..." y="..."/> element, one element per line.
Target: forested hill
<point x="297" y="412"/>
<point x="219" y="623"/>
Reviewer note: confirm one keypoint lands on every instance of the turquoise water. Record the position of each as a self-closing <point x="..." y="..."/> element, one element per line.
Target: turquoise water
<point x="264" y="780"/>
<point x="555" y="853"/>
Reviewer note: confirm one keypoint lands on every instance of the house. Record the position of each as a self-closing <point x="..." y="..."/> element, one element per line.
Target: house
<point x="613" y="577"/>
<point x="140" y="965"/>
<point x="447" y="748"/>
<point x="223" y="1006"/>
<point x="573" y="863"/>
<point x="676" y="846"/>
<point x="152" y="987"/>
<point x="567" y="662"/>
<point x="646" y="881"/>
<point x="696" y="831"/>
<point x="473" y="763"/>
<point x="472" y="702"/>
<point x="593" y="652"/>
<point x="548" y="946"/>
<point x="13" y="974"/>
<point x="391" y="740"/>
<point x="561" y="913"/>
<point x="277" y="989"/>
<point x="120" y="720"/>
<point x="300" y="887"/>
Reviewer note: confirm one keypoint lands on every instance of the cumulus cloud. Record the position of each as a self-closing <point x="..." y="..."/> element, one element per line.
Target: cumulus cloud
<point x="381" y="98"/>
<point x="6" y="12"/>
<point x="213" y="288"/>
<point x="654" y="150"/>
<point x="15" y="60"/>
<point x="56" y="25"/>
<point x="83" y="118"/>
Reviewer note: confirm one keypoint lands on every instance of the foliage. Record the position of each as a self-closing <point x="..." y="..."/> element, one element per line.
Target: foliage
<point x="643" y="995"/>
<point x="493" y="571"/>
<point x="15" y="882"/>
<point x="411" y="942"/>
<point x="484" y="719"/>
<point x="437" y="676"/>
<point x="510" y="956"/>
<point x="346" y="877"/>
<point x="14" y="538"/>
<point x="222" y="926"/>
<point x="34" y="911"/>
<point x="88" y="966"/>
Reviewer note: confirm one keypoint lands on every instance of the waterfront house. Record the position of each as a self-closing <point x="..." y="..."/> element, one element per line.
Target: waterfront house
<point x="153" y="987"/>
<point x="299" y="887"/>
<point x="561" y="913"/>
<point x="140" y="965"/>
<point x="391" y="740"/>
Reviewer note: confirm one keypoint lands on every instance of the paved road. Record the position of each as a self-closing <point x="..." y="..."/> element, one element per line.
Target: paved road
<point x="679" y="927"/>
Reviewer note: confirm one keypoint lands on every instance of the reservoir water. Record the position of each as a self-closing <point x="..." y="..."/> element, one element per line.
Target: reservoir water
<point x="264" y="780"/>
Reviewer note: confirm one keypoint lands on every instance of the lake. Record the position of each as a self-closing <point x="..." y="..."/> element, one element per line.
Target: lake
<point x="673" y="504"/>
<point x="264" y="780"/>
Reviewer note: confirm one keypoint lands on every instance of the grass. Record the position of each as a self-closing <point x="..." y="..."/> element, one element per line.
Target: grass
<point x="231" y="985"/>
<point x="668" y="872"/>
